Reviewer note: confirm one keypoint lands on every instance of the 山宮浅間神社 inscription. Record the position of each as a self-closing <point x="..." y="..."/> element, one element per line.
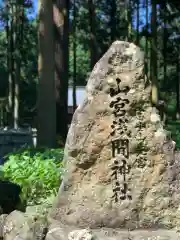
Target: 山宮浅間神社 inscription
<point x="120" y="147"/>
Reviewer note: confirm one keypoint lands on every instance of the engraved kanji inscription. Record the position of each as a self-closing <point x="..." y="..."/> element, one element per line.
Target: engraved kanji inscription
<point x="114" y="92"/>
<point x="115" y="196"/>
<point x="119" y="122"/>
<point x="116" y="191"/>
<point x="120" y="146"/>
<point x="124" y="168"/>
<point x="121" y="167"/>
<point x="115" y="169"/>
<point x="119" y="103"/>
<point x="114" y="174"/>
<point x="119" y="113"/>
<point x="125" y="192"/>
<point x="118" y="129"/>
<point x="125" y="89"/>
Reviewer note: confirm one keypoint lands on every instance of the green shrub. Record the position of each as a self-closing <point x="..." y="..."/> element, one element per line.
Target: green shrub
<point x="37" y="171"/>
<point x="174" y="128"/>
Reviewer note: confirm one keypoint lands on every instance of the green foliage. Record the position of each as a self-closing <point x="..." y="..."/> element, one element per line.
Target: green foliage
<point x="37" y="171"/>
<point x="174" y="128"/>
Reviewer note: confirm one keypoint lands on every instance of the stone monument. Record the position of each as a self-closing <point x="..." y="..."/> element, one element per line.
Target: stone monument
<point x="120" y="165"/>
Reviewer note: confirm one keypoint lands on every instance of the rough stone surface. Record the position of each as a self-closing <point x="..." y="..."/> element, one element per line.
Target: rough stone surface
<point x="85" y="198"/>
<point x="56" y="232"/>
<point x="62" y="233"/>
<point x="20" y="226"/>
<point x="83" y="234"/>
<point x="2" y="221"/>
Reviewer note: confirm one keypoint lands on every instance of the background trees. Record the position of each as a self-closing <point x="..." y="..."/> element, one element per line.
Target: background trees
<point x="82" y="32"/>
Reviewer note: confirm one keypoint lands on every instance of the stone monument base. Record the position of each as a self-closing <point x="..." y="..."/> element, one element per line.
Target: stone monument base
<point x="57" y="232"/>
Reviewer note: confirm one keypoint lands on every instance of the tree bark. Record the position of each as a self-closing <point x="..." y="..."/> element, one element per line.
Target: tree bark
<point x="154" y="54"/>
<point x="147" y="62"/>
<point x="113" y="20"/>
<point x="178" y="87"/>
<point x="58" y="54"/>
<point x="137" y="24"/>
<point x="129" y="20"/>
<point x="46" y="87"/>
<point x="165" y="38"/>
<point x="10" y="59"/>
<point x="18" y="44"/>
<point x="74" y="57"/>
<point x="61" y="28"/>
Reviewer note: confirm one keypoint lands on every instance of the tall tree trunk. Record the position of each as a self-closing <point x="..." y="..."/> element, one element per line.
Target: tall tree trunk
<point x="93" y="49"/>
<point x="165" y="42"/>
<point x="147" y="63"/>
<point x="10" y="33"/>
<point x="129" y="20"/>
<point x="46" y="67"/>
<point x="178" y="87"/>
<point x="58" y="54"/>
<point x="147" y="30"/>
<point x="74" y="56"/>
<point x="137" y="23"/>
<point x="154" y="54"/>
<point x="64" y="89"/>
<point x="10" y="89"/>
<point x="113" y="20"/>
<point x="17" y="44"/>
<point x="16" y="94"/>
<point x="61" y="27"/>
<point x="7" y="57"/>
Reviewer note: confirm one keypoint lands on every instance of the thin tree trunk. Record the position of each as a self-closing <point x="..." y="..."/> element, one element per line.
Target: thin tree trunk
<point x="153" y="54"/>
<point x="11" y="68"/>
<point x="18" y="42"/>
<point x="65" y="83"/>
<point x="113" y="20"/>
<point x="147" y="24"/>
<point x="178" y="87"/>
<point x="137" y="24"/>
<point x="16" y="95"/>
<point x="129" y="20"/>
<point x="147" y="41"/>
<point x="17" y="65"/>
<point x="59" y="62"/>
<point x="74" y="57"/>
<point x="46" y="67"/>
<point x="8" y="38"/>
<point x="93" y="49"/>
<point x="165" y="43"/>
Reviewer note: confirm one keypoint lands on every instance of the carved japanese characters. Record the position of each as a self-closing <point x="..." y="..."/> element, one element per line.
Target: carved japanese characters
<point x="120" y="147"/>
